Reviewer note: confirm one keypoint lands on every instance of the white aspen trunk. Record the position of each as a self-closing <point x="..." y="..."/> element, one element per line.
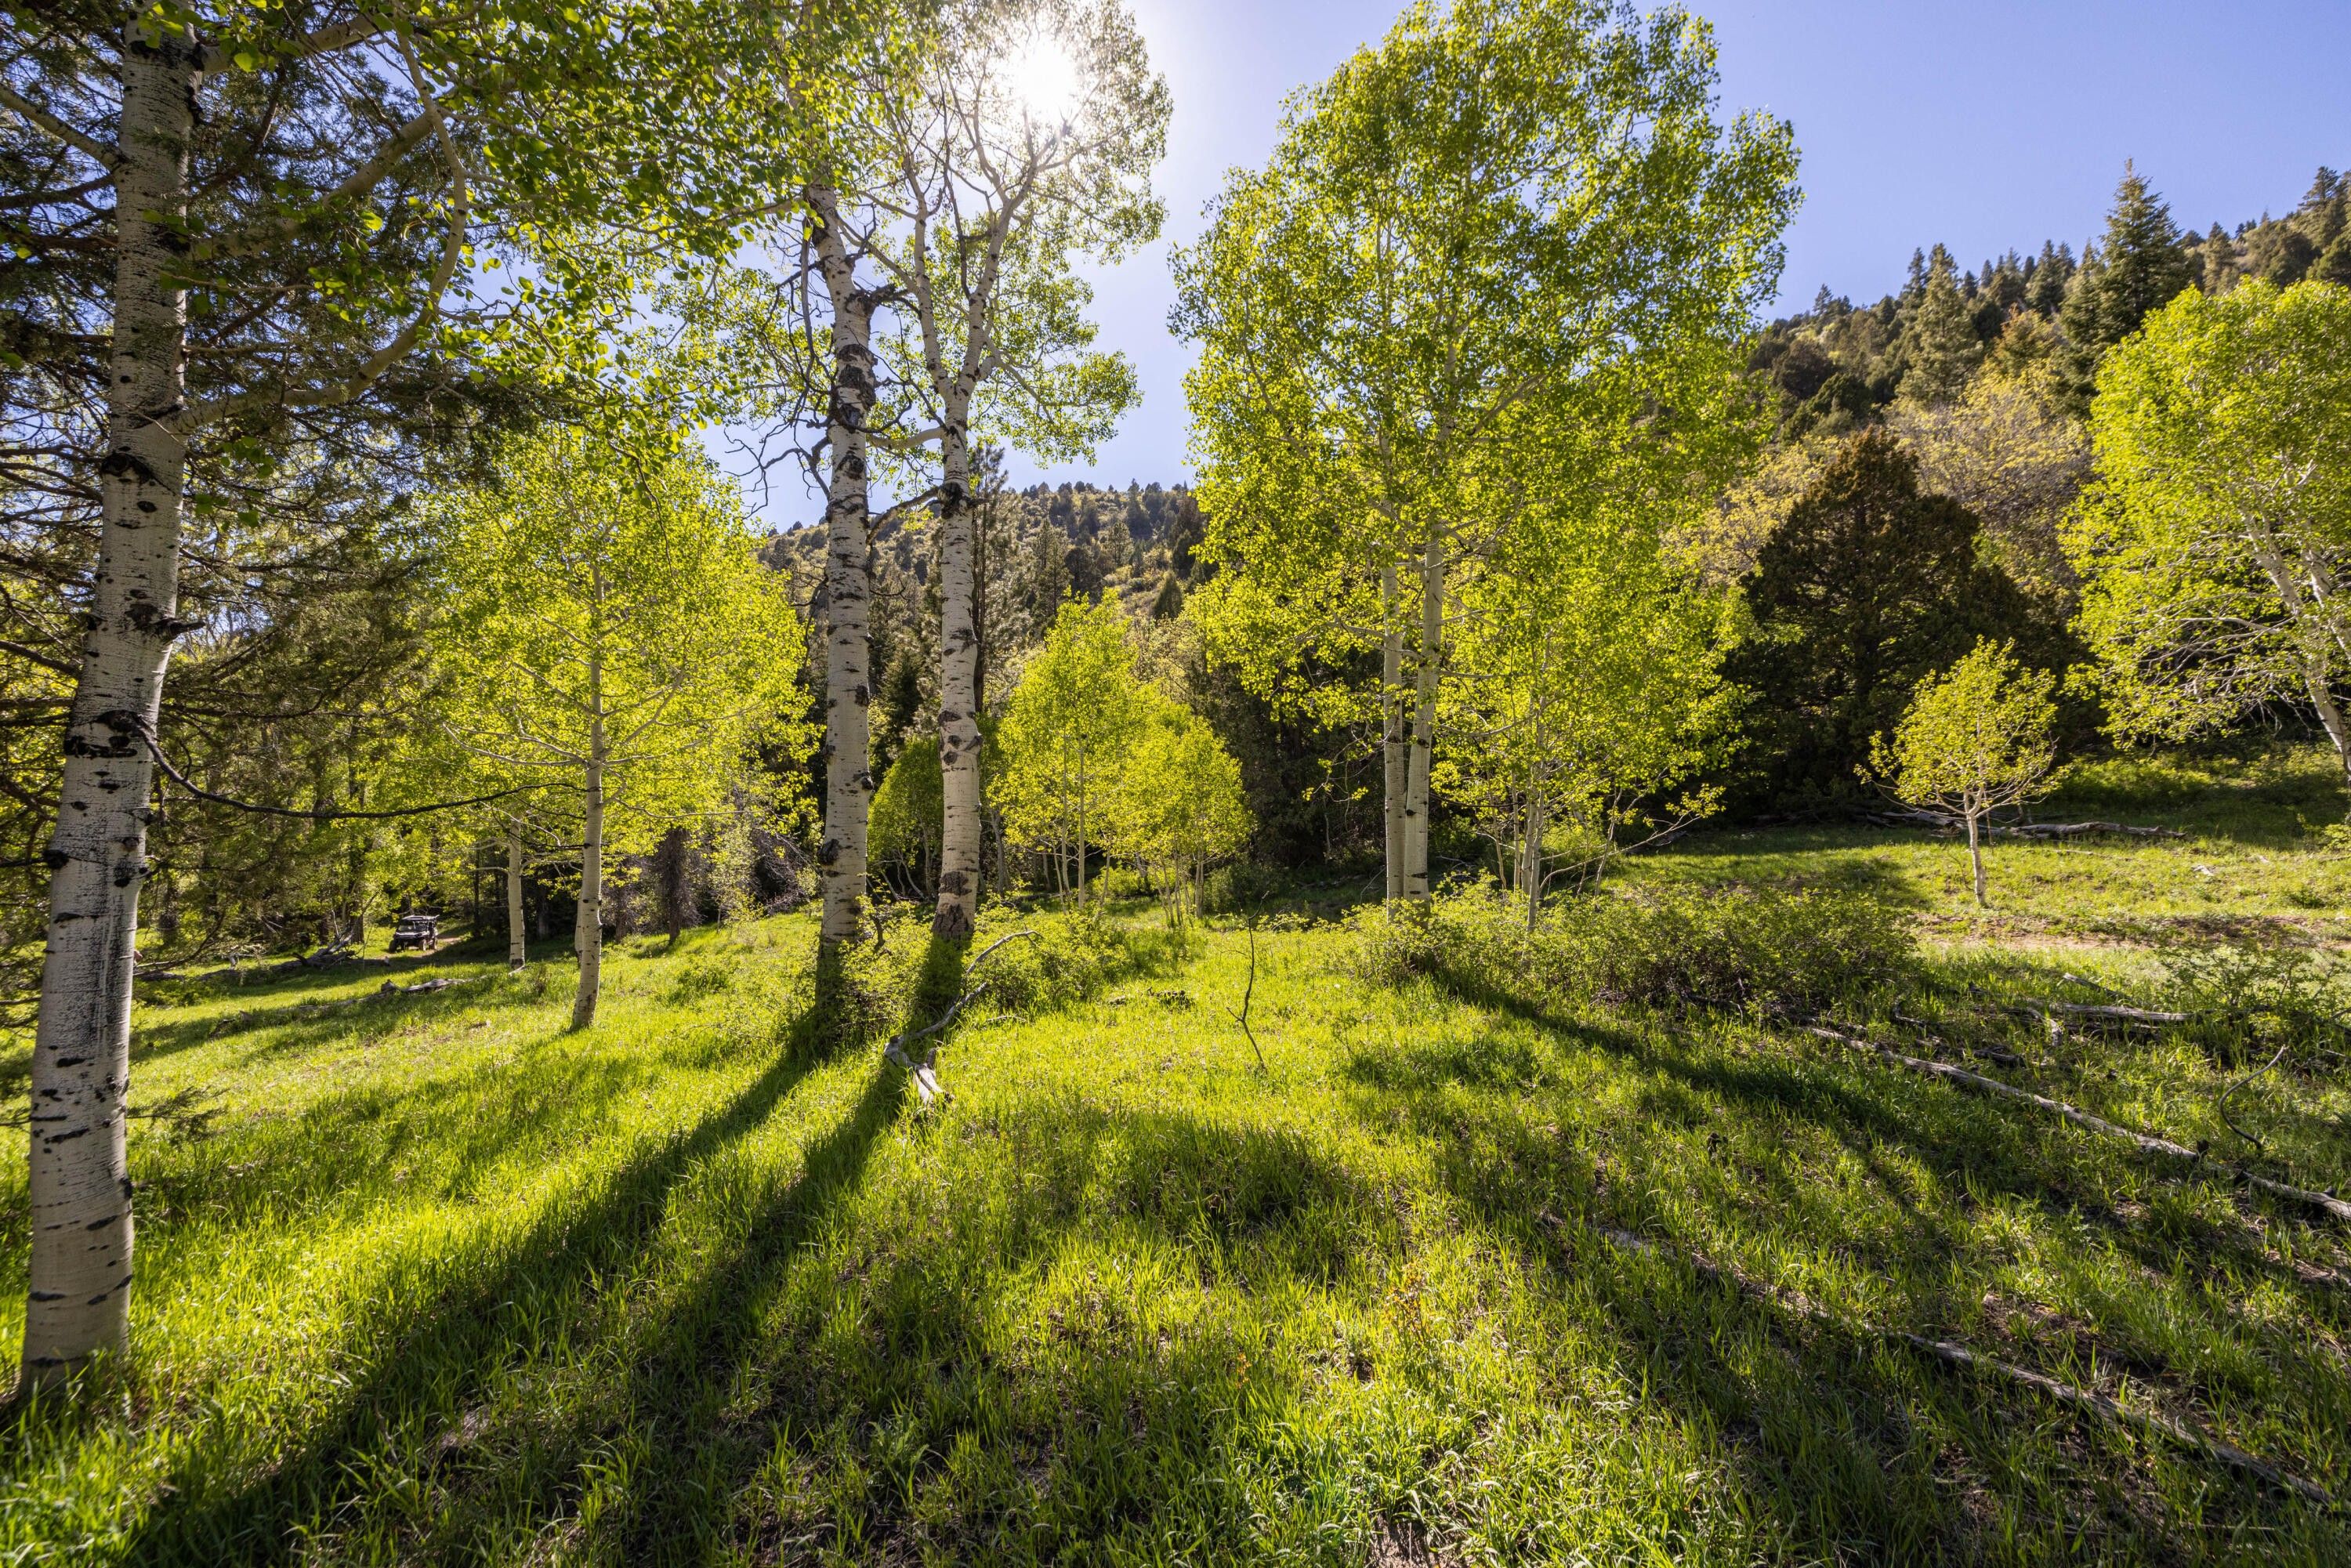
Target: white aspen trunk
<point x="588" y="928"/>
<point x="2311" y="640"/>
<point x="1530" y="854"/>
<point x="78" y="1302"/>
<point x="958" y="902"/>
<point x="847" y="588"/>
<point x="1530" y="860"/>
<point x="1082" y="825"/>
<point x="1424" y="719"/>
<point x="518" y="950"/>
<point x="1394" y="755"/>
<point x="1975" y="854"/>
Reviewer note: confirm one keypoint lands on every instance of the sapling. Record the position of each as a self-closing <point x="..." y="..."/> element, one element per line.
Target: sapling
<point x="1975" y="738"/>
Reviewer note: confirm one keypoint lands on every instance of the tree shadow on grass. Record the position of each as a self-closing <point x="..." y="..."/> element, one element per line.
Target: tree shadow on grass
<point x="1845" y="1444"/>
<point x="631" y="1379"/>
<point x="303" y="1020"/>
<point x="836" y="1364"/>
<point x="1986" y="1148"/>
<point x="429" y="1355"/>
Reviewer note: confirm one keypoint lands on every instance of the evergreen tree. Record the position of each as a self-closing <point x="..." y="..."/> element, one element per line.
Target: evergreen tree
<point x="1168" y="603"/>
<point x="2140" y="268"/>
<point x="1940" y="344"/>
<point x="2044" y="291"/>
<point x="2216" y="262"/>
<point x="1865" y="587"/>
<point x="1049" y="576"/>
<point x="895" y="707"/>
<point x="1085" y="572"/>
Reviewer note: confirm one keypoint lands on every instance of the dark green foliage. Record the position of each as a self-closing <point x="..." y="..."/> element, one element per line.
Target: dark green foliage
<point x="1867" y="587"/>
<point x="2140" y="267"/>
<point x="1941" y="346"/>
<point x="1312" y="792"/>
<point x="898" y="707"/>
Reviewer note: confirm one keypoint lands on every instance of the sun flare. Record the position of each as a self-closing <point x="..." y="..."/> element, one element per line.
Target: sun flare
<point x="1042" y="79"/>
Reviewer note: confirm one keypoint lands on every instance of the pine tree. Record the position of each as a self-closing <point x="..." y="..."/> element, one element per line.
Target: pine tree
<point x="2216" y="262"/>
<point x="1941" y="347"/>
<point x="1169" y="602"/>
<point x="2141" y="269"/>
<point x="1049" y="576"/>
<point x="2044" y="291"/>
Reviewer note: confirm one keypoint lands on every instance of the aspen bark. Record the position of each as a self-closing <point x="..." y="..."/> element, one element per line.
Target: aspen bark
<point x="1530" y="858"/>
<point x="848" y="586"/>
<point x="79" y="1302"/>
<point x="1975" y="856"/>
<point x="2311" y="640"/>
<point x="518" y="950"/>
<point x="588" y="928"/>
<point x="958" y="901"/>
<point x="1393" y="754"/>
<point x="1424" y="718"/>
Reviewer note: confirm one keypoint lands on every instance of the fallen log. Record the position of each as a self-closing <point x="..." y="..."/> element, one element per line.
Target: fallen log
<point x="393" y="987"/>
<point x="2109" y="1012"/>
<point x="2081" y="830"/>
<point x="2187" y="1434"/>
<point x="2145" y="1143"/>
<point x="2033" y="831"/>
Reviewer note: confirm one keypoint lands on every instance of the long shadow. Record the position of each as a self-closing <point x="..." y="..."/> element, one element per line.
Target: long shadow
<point x="1853" y="1446"/>
<point x="879" y="1346"/>
<point x="1945" y="1130"/>
<point x="433" y="1354"/>
<point x="1102" y="1415"/>
<point x="308" y="1021"/>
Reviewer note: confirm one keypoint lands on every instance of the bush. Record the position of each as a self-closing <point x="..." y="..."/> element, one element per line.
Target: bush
<point x="1751" y="948"/>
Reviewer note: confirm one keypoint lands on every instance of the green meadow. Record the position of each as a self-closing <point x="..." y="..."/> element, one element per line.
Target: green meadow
<point x="1461" y="1273"/>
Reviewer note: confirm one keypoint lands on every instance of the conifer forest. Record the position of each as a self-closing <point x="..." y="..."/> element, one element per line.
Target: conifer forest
<point x="646" y="919"/>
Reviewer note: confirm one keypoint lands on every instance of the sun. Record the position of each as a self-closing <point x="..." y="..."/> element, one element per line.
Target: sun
<point x="1042" y="81"/>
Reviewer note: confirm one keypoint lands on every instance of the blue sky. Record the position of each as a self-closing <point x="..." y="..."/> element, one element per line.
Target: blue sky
<point x="1985" y="125"/>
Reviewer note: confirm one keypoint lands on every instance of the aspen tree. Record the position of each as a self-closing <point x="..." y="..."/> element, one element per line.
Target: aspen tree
<point x="1974" y="738"/>
<point x="1502" y="200"/>
<point x="1023" y="143"/>
<point x="2213" y="544"/>
<point x="615" y="638"/>
<point x="332" y="185"/>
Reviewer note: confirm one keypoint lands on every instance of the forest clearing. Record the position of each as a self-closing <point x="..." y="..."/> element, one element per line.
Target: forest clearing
<point x="438" y="1279"/>
<point x="1618" y="919"/>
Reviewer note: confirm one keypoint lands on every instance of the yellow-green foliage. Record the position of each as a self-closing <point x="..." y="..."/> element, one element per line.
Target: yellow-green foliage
<point x="1975" y="736"/>
<point x="1079" y="707"/>
<point x="1179" y="806"/>
<point x="2213" y="539"/>
<point x="904" y="823"/>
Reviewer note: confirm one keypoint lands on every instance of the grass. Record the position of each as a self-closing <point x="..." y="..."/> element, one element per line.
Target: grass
<point x="441" y="1282"/>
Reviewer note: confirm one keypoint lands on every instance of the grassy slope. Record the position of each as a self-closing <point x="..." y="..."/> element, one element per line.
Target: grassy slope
<point x="445" y="1283"/>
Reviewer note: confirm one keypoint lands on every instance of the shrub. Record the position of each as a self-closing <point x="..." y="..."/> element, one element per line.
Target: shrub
<point x="1751" y="948"/>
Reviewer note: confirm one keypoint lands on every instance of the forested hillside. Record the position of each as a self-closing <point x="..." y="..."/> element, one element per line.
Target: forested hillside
<point x="1620" y="931"/>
